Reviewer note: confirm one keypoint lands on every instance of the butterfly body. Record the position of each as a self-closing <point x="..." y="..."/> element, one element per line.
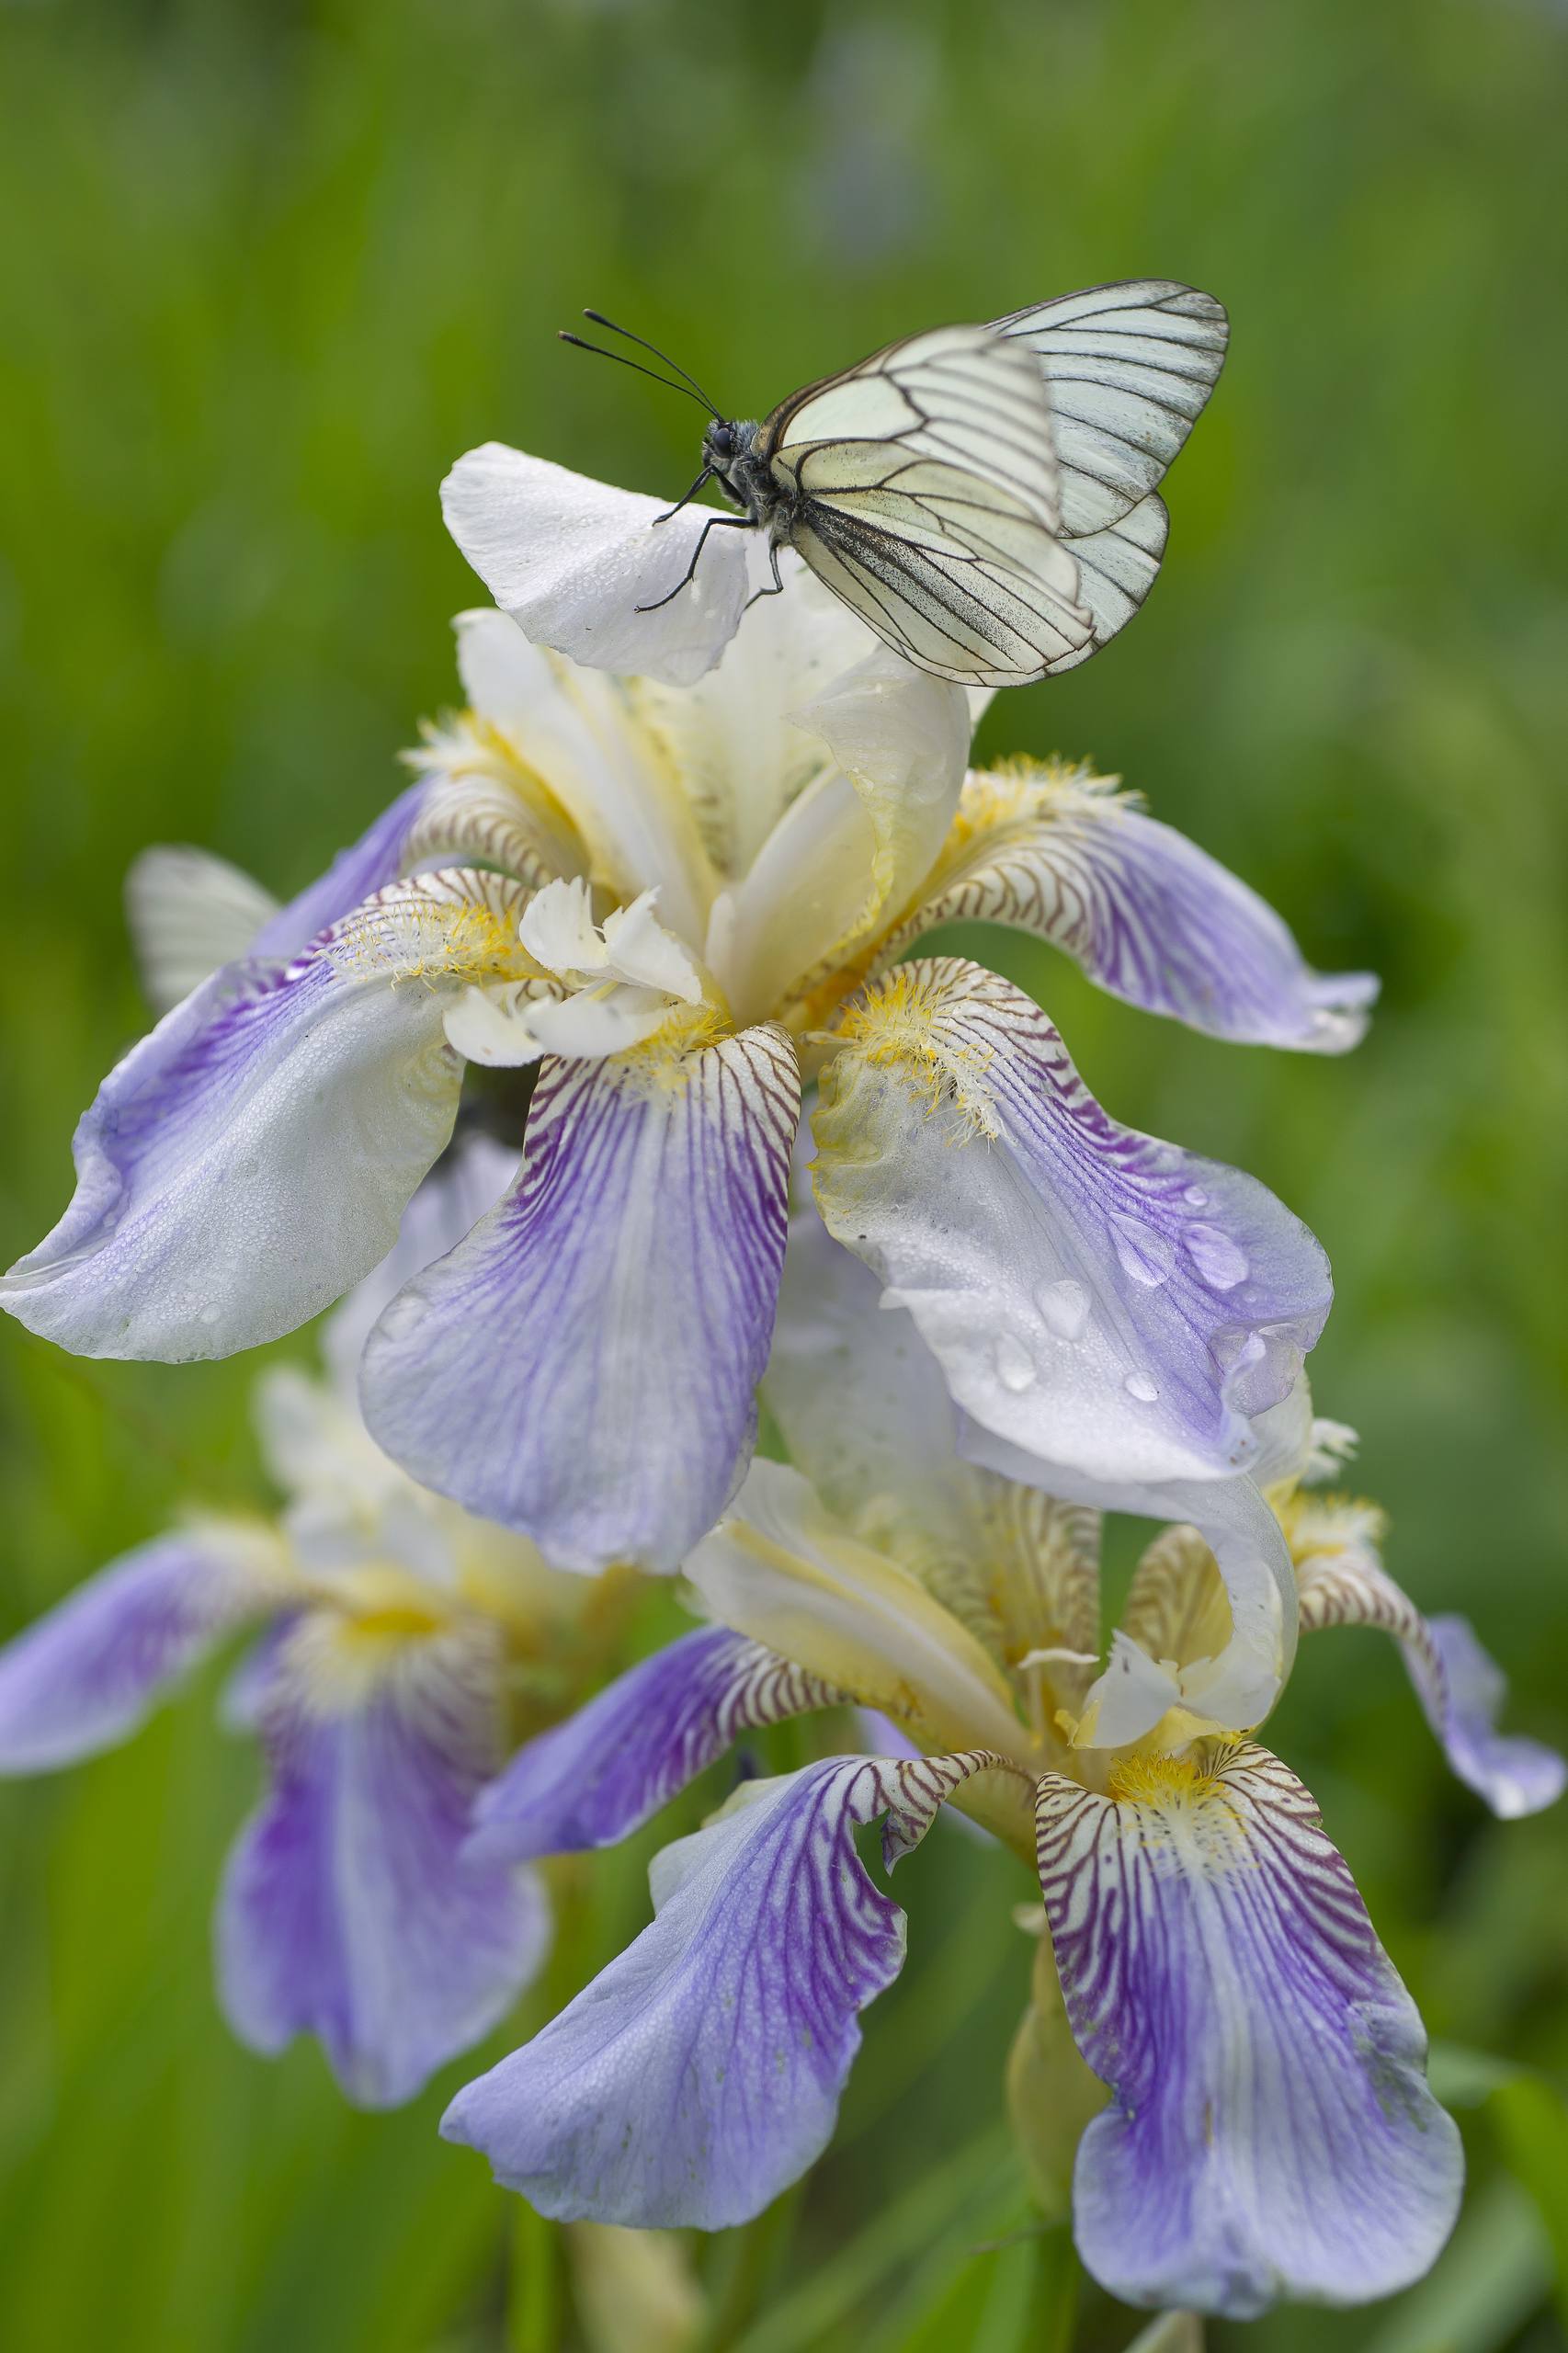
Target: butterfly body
<point x="982" y="497"/>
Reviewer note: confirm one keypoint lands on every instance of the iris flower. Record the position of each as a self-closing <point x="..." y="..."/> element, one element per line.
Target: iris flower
<point x="670" y="909"/>
<point x="404" y="1645"/>
<point x="1269" y="2131"/>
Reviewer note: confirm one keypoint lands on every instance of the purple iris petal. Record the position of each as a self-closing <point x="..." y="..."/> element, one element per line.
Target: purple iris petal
<point x="1147" y="914"/>
<point x="700" y="2073"/>
<point x="318" y="1087"/>
<point x="594" y="1778"/>
<point x="1102" y="1300"/>
<point x="1460" y="1688"/>
<point x="583" y="1368"/>
<point x="349" y="1911"/>
<point x="1270" y="2131"/>
<point x="91" y="1671"/>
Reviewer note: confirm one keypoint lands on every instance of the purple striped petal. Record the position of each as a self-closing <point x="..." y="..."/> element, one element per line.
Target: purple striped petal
<point x="1270" y="2132"/>
<point x="596" y="1777"/>
<point x="583" y="1368"/>
<point x="91" y="1672"/>
<point x="252" y="1158"/>
<point x="1101" y="1301"/>
<point x="349" y="1910"/>
<point x="700" y="2073"/>
<point x="1461" y="1690"/>
<point x="1148" y="914"/>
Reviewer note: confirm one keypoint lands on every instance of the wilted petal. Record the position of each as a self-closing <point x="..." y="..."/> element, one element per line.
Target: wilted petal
<point x="583" y="1368"/>
<point x="700" y="2073"/>
<point x="572" y="559"/>
<point x="251" y="1159"/>
<point x="1461" y="1690"/>
<point x="1148" y="914"/>
<point x="596" y="1777"/>
<point x="91" y="1671"/>
<point x="1270" y="2132"/>
<point x="349" y="1911"/>
<point x="1102" y="1300"/>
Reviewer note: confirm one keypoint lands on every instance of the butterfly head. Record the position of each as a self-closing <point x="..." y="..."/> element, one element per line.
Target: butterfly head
<point x="731" y="456"/>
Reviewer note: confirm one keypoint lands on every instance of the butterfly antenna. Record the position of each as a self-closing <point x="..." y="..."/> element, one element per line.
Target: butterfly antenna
<point x="599" y="320"/>
<point x="668" y="382"/>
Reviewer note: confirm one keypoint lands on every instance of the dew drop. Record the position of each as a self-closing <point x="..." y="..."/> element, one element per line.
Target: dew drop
<point x="1196" y="1197"/>
<point x="210" y="1316"/>
<point x="1064" y="1307"/>
<point x="400" y="1318"/>
<point x="1216" y="1256"/>
<point x="1014" y="1366"/>
<point x="1139" y="1385"/>
<point x="1146" y="1256"/>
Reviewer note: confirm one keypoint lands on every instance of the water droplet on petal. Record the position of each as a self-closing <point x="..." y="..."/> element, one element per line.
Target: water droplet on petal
<point x="1139" y="1385"/>
<point x="1146" y="1256"/>
<point x="1014" y="1366"/>
<point x="1217" y="1258"/>
<point x="1064" y="1307"/>
<point x="210" y="1316"/>
<point x="400" y="1318"/>
<point x="1195" y="1196"/>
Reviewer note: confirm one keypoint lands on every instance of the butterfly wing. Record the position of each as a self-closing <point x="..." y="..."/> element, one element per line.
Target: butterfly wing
<point x="922" y="490"/>
<point x="1127" y="370"/>
<point x="1116" y="571"/>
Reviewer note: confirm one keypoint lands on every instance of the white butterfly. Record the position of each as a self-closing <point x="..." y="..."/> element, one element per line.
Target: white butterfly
<point x="983" y="497"/>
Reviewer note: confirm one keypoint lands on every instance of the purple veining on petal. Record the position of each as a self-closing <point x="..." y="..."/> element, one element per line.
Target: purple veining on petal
<point x="583" y="1368"/>
<point x="90" y="1673"/>
<point x="1148" y="914"/>
<point x="1046" y="1252"/>
<point x="700" y="2073"/>
<point x="592" y="1780"/>
<point x="268" y="1085"/>
<point x="1270" y="2131"/>
<point x="348" y="1910"/>
<point x="1460" y="1688"/>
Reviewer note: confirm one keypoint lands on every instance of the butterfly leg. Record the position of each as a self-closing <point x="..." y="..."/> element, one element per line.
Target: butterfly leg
<point x="706" y="475"/>
<point x="715" y="523"/>
<point x="778" y="587"/>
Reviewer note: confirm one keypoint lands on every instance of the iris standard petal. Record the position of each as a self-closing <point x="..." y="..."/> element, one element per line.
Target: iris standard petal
<point x="1460" y="1688"/>
<point x="319" y="1086"/>
<point x="348" y="1910"/>
<point x="583" y="1367"/>
<point x="700" y="2073"/>
<point x="735" y="738"/>
<point x="847" y="855"/>
<point x="573" y="560"/>
<point x="92" y="1670"/>
<point x="1100" y="1300"/>
<point x="593" y="1779"/>
<point x="1147" y="914"/>
<point x="1270" y="2132"/>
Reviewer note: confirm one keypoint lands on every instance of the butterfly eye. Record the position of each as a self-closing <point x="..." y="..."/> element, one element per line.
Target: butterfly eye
<point x="720" y="443"/>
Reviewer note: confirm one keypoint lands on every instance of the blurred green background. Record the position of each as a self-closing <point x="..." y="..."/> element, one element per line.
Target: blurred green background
<point x="264" y="271"/>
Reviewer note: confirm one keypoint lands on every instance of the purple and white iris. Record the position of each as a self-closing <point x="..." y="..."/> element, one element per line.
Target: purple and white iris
<point x="1269" y="2131"/>
<point x="673" y="908"/>
<point x="385" y="1691"/>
